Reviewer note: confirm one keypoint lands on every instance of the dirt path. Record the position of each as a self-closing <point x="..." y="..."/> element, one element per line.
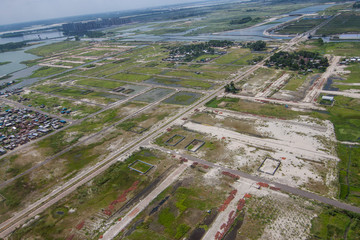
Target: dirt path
<point x="120" y="225"/>
<point x="318" y="85"/>
<point x="275" y="85"/>
<point x="242" y="186"/>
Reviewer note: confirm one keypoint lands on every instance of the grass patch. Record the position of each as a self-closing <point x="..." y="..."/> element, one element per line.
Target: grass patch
<point x="54" y="48"/>
<point x="183" y="83"/>
<point x="346" y="22"/>
<point x="106" y="84"/>
<point x="332" y="224"/>
<point x="183" y="98"/>
<point x="300" y="26"/>
<point x="130" y="77"/>
<point x="295" y="82"/>
<point x="238" y="105"/>
<point x="46" y="71"/>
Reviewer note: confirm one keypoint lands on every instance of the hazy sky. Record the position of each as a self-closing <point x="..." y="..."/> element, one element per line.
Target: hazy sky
<point x="12" y="11"/>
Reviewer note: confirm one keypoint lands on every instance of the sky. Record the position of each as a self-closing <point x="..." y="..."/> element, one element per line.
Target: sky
<point x="15" y="11"/>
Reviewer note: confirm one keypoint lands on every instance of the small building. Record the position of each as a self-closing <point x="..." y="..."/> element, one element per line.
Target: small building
<point x="328" y="98"/>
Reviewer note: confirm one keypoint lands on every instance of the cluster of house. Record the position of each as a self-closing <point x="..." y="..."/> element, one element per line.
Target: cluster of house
<point x="347" y="61"/>
<point x="19" y="126"/>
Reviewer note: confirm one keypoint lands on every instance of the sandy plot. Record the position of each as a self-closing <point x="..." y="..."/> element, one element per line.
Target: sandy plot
<point x="305" y="161"/>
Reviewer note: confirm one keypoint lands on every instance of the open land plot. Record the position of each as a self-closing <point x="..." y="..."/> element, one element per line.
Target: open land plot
<point x="335" y="224"/>
<point x="55" y="105"/>
<point x="345" y="116"/>
<point x="46" y="71"/>
<point x="349" y="173"/>
<point x="146" y="70"/>
<point x="197" y="74"/>
<point x="78" y="93"/>
<point x="129" y="77"/>
<point x="153" y="95"/>
<point x="249" y="59"/>
<point x="72" y="162"/>
<point x="55" y="48"/>
<point x="261" y="109"/>
<point x="354" y="76"/>
<point x="183" y="98"/>
<point x="259" y="80"/>
<point x="89" y="208"/>
<point x="296" y="87"/>
<point x="349" y="49"/>
<point x="300" y="26"/>
<point x="346" y="22"/>
<point x="99" y="83"/>
<point x="174" y="82"/>
<point x="304" y="144"/>
<point x="149" y="118"/>
<point x="186" y="208"/>
<point x="233" y="55"/>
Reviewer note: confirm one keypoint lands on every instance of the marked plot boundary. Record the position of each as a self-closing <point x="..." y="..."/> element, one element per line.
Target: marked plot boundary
<point x="173" y="145"/>
<point x="137" y="129"/>
<point x="278" y="162"/>
<point x="132" y="166"/>
<point x="194" y="150"/>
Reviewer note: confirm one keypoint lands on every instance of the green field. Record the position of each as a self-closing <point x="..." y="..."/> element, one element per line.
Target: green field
<point x="238" y="105"/>
<point x="232" y="56"/>
<point x="335" y="224"/>
<point x="51" y="49"/>
<point x="347" y="22"/>
<point x="105" y="84"/>
<point x="349" y="49"/>
<point x="79" y="93"/>
<point x="129" y="77"/>
<point x="295" y="82"/>
<point x="349" y="173"/>
<point x="198" y="74"/>
<point x="345" y="115"/>
<point x="46" y="71"/>
<point x="300" y="26"/>
<point x="183" y="83"/>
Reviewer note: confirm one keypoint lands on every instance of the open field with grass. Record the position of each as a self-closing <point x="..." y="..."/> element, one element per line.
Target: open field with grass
<point x="197" y="75"/>
<point x="349" y="173"/>
<point x="46" y="71"/>
<point x="295" y="82"/>
<point x="347" y="22"/>
<point x="347" y="49"/>
<point x="55" y="48"/>
<point x="300" y="26"/>
<point x="181" y="83"/>
<point x="335" y="224"/>
<point x="345" y="115"/>
<point x="129" y="77"/>
<point x="233" y="55"/>
<point x="104" y="84"/>
<point x="238" y="105"/>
